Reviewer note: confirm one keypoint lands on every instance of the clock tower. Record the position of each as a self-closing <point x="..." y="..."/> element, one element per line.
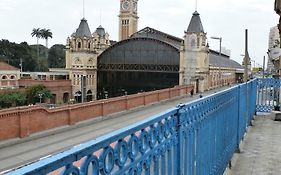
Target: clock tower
<point x="128" y="18"/>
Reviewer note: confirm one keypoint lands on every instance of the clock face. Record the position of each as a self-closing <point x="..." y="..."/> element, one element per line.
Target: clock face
<point x="125" y="5"/>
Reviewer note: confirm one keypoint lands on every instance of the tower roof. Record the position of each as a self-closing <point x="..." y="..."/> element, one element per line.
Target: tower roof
<point x="100" y="31"/>
<point x="195" y="25"/>
<point x="83" y="29"/>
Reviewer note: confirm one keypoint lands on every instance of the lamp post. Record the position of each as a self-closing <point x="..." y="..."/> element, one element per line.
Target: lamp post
<point x="218" y="38"/>
<point x="40" y="95"/>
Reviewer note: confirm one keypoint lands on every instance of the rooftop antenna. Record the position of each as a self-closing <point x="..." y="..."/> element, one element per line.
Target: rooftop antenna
<point x="196" y="4"/>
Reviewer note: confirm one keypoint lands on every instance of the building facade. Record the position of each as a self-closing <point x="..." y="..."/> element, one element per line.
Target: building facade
<point x="9" y="76"/>
<point x="204" y="68"/>
<point x="82" y="49"/>
<point x="143" y="60"/>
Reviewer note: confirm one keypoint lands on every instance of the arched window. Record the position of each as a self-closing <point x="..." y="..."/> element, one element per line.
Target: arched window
<point x="91" y="61"/>
<point x="192" y="43"/>
<point x="12" y="77"/>
<point x="79" y="45"/>
<point x="4" y="77"/>
<point x="89" y="45"/>
<point x="77" y="61"/>
<point x="198" y="42"/>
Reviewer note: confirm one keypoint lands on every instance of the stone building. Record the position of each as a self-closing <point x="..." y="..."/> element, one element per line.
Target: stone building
<point x="82" y="49"/>
<point x="143" y="60"/>
<point x="201" y="66"/>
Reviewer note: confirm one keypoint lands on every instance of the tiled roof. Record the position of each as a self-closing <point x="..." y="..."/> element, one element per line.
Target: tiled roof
<point x="5" y="66"/>
<point x="100" y="31"/>
<point x="83" y="30"/>
<point x="195" y="25"/>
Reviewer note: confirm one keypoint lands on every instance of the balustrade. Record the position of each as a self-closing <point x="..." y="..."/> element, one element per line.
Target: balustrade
<point x="199" y="137"/>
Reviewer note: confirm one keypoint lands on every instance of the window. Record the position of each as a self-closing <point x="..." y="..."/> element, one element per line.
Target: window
<point x="4" y="77"/>
<point x="79" y="45"/>
<point x="89" y="45"/>
<point x="193" y="43"/>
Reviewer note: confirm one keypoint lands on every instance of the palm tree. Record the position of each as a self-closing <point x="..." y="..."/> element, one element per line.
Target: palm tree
<point x="37" y="33"/>
<point x="46" y="34"/>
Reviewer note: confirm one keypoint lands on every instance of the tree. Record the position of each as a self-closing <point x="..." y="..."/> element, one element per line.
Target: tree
<point x="12" y="53"/>
<point x="56" y="57"/>
<point x="12" y="99"/>
<point x="37" y="93"/>
<point x="37" y="33"/>
<point x="46" y="34"/>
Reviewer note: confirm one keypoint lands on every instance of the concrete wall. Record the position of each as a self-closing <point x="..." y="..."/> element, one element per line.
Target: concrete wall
<point x="23" y="121"/>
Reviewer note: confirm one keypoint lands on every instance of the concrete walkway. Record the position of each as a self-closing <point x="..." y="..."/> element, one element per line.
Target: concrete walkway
<point x="18" y="152"/>
<point x="261" y="150"/>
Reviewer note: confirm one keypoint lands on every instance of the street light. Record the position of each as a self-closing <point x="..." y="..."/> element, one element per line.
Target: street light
<point x="218" y="38"/>
<point x="40" y="95"/>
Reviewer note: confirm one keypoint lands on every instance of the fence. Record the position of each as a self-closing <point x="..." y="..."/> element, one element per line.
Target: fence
<point x="268" y="94"/>
<point x="194" y="138"/>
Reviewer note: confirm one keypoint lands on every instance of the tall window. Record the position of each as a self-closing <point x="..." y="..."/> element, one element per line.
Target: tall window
<point x="79" y="45"/>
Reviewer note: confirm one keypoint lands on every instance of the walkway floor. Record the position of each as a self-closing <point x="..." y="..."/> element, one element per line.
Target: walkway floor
<point x="17" y="152"/>
<point x="261" y="150"/>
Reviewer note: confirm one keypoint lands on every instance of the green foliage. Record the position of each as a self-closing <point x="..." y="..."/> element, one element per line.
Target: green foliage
<point x="34" y="93"/>
<point x="46" y="33"/>
<point x="56" y="58"/>
<point x="12" y="53"/>
<point x="42" y="64"/>
<point x="36" y="32"/>
<point x="12" y="99"/>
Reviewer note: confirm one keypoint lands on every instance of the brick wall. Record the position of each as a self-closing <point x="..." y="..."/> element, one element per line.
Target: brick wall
<point x="23" y="121"/>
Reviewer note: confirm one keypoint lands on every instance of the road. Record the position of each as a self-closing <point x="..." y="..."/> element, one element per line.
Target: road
<point x="18" y="152"/>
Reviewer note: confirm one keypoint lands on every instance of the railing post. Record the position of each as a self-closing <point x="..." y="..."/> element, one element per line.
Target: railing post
<point x="180" y="155"/>
<point x="238" y="119"/>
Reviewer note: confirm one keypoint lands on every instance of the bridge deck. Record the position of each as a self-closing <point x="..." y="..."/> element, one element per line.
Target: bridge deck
<point x="14" y="153"/>
<point x="261" y="150"/>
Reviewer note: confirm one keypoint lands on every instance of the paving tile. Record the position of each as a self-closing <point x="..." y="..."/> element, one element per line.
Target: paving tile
<point x="261" y="154"/>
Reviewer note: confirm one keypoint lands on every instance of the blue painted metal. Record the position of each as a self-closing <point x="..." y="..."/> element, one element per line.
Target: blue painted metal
<point x="199" y="137"/>
<point x="267" y="94"/>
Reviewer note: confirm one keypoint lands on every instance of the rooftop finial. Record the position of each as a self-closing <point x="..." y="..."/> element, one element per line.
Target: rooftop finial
<point x="83" y="8"/>
<point x="100" y="16"/>
<point x="196" y="4"/>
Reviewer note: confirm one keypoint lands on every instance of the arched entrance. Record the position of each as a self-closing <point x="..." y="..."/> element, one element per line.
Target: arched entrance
<point x="89" y="96"/>
<point x="65" y="97"/>
<point x="78" y="97"/>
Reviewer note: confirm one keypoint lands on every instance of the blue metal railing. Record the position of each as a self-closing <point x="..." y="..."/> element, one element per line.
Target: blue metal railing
<point x="268" y="90"/>
<point x="199" y="137"/>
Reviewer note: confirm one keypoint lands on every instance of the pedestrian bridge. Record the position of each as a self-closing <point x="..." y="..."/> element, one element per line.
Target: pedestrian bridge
<point x="198" y="137"/>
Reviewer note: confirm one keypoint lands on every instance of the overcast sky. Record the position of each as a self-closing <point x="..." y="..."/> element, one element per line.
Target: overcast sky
<point x="222" y="18"/>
